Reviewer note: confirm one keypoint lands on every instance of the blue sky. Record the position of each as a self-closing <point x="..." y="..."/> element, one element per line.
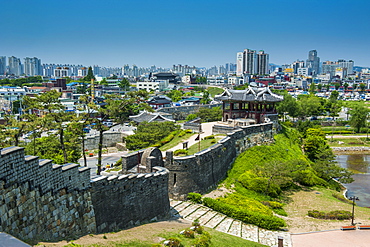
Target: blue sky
<point x="201" y="33"/>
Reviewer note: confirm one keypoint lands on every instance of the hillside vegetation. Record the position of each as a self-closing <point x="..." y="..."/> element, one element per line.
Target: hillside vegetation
<point x="261" y="174"/>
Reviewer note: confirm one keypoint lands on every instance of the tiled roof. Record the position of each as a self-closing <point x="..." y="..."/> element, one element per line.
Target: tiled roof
<point x="149" y="117"/>
<point x="251" y="94"/>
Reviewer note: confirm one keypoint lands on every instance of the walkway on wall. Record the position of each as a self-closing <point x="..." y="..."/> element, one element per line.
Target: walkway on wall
<point x="212" y="219"/>
<point x="206" y="131"/>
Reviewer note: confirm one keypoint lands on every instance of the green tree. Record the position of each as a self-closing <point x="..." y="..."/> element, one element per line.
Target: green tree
<point x="362" y="86"/>
<point x="124" y="84"/>
<point x="277" y="174"/>
<point x="205" y="99"/>
<point x="90" y="75"/>
<point x="210" y="114"/>
<point x="148" y="134"/>
<point x="289" y="106"/>
<point x="103" y="82"/>
<point x="310" y="105"/>
<point x="54" y="115"/>
<point x="175" y="95"/>
<point x="345" y="85"/>
<point x="312" y="89"/>
<point x="118" y="109"/>
<point x="358" y="116"/>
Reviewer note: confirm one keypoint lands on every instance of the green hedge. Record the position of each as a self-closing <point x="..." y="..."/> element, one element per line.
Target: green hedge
<point x="195" y="197"/>
<point x="332" y="215"/>
<point x="264" y="221"/>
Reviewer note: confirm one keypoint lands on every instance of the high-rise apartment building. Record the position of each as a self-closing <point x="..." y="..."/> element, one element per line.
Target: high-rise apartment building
<point x="2" y="65"/>
<point x="332" y="68"/>
<point x="32" y="66"/>
<point x="15" y="66"/>
<point x="347" y="65"/>
<point x="296" y="65"/>
<point x="262" y="63"/>
<point x="249" y="62"/>
<point x="313" y="63"/>
<point x="239" y="64"/>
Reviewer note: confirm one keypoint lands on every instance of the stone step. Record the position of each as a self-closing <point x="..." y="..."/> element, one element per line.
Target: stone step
<point x="236" y="228"/>
<point x="189" y="210"/>
<point x="174" y="203"/>
<point x="215" y="220"/>
<point x="249" y="232"/>
<point x="182" y="206"/>
<point x="201" y="211"/>
<point x="212" y="219"/>
<point x="224" y="225"/>
<point x="207" y="217"/>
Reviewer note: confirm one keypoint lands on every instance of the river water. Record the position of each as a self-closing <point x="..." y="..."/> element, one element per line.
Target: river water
<point x="361" y="186"/>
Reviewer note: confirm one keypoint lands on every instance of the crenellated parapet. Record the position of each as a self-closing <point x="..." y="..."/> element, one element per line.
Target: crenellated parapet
<point x="126" y="200"/>
<point x="15" y="167"/>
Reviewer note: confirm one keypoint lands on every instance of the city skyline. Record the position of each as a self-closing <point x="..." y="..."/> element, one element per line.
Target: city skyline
<point x="163" y="33"/>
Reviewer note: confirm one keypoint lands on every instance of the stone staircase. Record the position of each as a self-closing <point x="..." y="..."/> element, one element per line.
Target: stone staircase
<point x="212" y="219"/>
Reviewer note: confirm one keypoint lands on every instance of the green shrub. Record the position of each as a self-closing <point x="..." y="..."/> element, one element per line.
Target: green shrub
<point x="264" y="221"/>
<point x="188" y="233"/>
<point x="180" y="151"/>
<point x="332" y="215"/>
<point x="188" y="131"/>
<point x="203" y="240"/>
<point x="209" y="137"/>
<point x="157" y="245"/>
<point x="173" y="242"/>
<point x="195" y="197"/>
<point x="280" y="211"/>
<point x="273" y="204"/>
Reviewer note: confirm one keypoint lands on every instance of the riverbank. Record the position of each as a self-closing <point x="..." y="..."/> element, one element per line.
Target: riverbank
<point x="349" y="150"/>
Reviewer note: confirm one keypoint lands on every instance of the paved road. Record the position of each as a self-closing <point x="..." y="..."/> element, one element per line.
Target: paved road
<point x="110" y="158"/>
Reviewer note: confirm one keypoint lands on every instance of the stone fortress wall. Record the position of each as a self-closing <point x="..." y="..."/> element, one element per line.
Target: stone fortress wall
<point x="41" y="200"/>
<point x="202" y="171"/>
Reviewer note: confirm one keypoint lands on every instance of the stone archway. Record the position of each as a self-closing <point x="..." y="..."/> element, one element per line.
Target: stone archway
<point x="152" y="152"/>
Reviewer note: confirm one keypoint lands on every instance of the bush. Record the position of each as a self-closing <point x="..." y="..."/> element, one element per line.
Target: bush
<point x="273" y="204"/>
<point x="280" y="211"/>
<point x="188" y="233"/>
<point x="332" y="215"/>
<point x="209" y="137"/>
<point x="203" y="240"/>
<point x="172" y="242"/>
<point x="195" y="197"/>
<point x="180" y="151"/>
<point x="264" y="221"/>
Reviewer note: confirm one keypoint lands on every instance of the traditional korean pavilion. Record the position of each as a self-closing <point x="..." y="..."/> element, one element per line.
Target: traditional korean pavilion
<point x="253" y="103"/>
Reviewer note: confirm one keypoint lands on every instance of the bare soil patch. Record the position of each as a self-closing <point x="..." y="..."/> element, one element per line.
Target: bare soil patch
<point x="144" y="233"/>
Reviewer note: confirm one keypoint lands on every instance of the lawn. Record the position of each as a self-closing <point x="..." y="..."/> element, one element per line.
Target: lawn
<point x="175" y="141"/>
<point x="348" y="142"/>
<point x="149" y="234"/>
<point x="204" y="144"/>
<point x="323" y="200"/>
<point x="214" y="91"/>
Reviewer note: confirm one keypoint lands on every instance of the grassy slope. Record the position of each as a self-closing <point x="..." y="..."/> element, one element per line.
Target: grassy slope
<point x="149" y="234"/>
<point x="214" y="91"/>
<point x="283" y="149"/>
